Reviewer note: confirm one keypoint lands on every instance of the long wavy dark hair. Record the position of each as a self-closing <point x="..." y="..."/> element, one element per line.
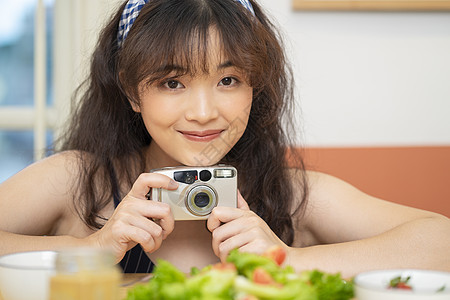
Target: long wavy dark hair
<point x="110" y="138"/>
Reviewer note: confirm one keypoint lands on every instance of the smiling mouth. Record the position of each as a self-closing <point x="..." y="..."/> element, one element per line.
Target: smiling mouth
<point x="201" y="136"/>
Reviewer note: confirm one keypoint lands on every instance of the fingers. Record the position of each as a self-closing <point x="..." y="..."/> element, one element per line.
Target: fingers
<point x="235" y="233"/>
<point x="245" y="242"/>
<point x="128" y="236"/>
<point x="254" y="240"/>
<point x="146" y="232"/>
<point x="220" y="215"/>
<point x="239" y="228"/>
<point x="165" y="219"/>
<point x="146" y="181"/>
<point x="133" y="221"/>
<point x="152" y="209"/>
<point x="142" y="213"/>
<point x="241" y="203"/>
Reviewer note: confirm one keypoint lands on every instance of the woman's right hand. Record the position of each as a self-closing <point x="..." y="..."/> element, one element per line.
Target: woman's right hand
<point x="136" y="220"/>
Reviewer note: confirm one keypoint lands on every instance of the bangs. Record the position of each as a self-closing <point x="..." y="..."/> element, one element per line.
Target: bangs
<point x="185" y="53"/>
<point x="172" y="38"/>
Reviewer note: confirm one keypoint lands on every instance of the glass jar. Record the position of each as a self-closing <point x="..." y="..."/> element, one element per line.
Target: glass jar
<point x="85" y="274"/>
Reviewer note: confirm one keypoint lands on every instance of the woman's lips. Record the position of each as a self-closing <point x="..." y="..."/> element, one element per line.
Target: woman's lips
<point x="201" y="136"/>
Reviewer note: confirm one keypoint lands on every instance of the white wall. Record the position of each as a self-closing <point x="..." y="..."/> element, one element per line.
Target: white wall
<point x="363" y="78"/>
<point x="77" y="26"/>
<point x="369" y="78"/>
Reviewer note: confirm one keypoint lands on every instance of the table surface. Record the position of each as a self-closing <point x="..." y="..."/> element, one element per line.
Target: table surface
<point x="129" y="280"/>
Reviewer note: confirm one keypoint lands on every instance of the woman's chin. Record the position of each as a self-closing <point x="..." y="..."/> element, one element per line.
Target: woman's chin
<point x="200" y="161"/>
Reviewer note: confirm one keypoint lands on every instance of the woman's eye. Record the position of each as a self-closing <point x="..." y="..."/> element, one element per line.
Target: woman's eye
<point x="173" y="84"/>
<point x="228" y="81"/>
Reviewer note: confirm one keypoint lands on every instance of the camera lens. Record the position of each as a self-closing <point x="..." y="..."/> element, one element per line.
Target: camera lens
<point x="205" y="175"/>
<point x="201" y="199"/>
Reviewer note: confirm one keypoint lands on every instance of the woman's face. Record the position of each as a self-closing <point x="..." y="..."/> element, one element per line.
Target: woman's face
<point x="196" y="120"/>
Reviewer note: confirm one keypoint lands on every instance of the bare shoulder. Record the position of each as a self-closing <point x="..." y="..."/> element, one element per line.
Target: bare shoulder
<point x="57" y="170"/>
<point x="41" y="192"/>
<point x="58" y="167"/>
<point x="324" y="187"/>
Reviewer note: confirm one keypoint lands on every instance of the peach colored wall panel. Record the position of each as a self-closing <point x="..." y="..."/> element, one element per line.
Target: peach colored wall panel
<point x="413" y="176"/>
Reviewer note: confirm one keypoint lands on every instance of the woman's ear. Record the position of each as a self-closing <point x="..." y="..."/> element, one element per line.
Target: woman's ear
<point x="135" y="105"/>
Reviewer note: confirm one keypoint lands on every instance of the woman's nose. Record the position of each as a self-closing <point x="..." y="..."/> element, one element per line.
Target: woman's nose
<point x="202" y="106"/>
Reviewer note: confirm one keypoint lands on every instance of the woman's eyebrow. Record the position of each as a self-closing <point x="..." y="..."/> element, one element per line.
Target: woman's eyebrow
<point x="171" y="68"/>
<point x="225" y="65"/>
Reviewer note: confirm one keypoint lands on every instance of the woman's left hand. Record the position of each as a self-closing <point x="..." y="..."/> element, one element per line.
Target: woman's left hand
<point x="240" y="228"/>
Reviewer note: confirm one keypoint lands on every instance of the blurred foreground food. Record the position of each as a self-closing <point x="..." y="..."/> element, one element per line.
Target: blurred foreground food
<point x="244" y="276"/>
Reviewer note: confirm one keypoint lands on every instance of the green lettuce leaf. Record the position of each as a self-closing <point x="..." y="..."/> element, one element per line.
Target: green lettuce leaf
<point x="219" y="283"/>
<point x="329" y="286"/>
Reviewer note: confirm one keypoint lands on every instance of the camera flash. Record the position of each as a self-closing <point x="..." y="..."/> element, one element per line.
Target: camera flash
<point x="224" y="173"/>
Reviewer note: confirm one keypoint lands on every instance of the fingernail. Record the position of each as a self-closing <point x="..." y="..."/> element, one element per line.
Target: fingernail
<point x="173" y="184"/>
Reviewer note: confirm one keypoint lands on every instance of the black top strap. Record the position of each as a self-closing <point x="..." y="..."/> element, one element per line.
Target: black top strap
<point x="136" y="261"/>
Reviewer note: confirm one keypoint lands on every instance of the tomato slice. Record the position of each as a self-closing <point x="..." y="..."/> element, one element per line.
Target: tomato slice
<point x="403" y="286"/>
<point x="276" y="253"/>
<point x="225" y="266"/>
<point x="261" y="276"/>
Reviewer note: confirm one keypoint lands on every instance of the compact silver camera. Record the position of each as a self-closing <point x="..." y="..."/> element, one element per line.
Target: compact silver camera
<point x="200" y="190"/>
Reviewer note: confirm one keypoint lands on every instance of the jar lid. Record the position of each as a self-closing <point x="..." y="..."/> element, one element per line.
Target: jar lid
<point x="83" y="259"/>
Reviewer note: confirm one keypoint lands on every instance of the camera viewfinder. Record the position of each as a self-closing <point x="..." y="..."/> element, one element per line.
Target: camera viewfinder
<point x="224" y="173"/>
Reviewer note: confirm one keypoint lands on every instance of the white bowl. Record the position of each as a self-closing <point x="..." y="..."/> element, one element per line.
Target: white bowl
<point x="427" y="285"/>
<point x="26" y="275"/>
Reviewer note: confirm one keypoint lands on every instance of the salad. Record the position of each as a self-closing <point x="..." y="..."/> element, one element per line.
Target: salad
<point x="400" y="283"/>
<point x="245" y="276"/>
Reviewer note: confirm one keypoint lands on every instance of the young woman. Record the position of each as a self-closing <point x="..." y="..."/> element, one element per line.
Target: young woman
<point x="197" y="83"/>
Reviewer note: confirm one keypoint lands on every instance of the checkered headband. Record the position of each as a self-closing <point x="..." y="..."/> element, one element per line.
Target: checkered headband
<point x="131" y="12"/>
